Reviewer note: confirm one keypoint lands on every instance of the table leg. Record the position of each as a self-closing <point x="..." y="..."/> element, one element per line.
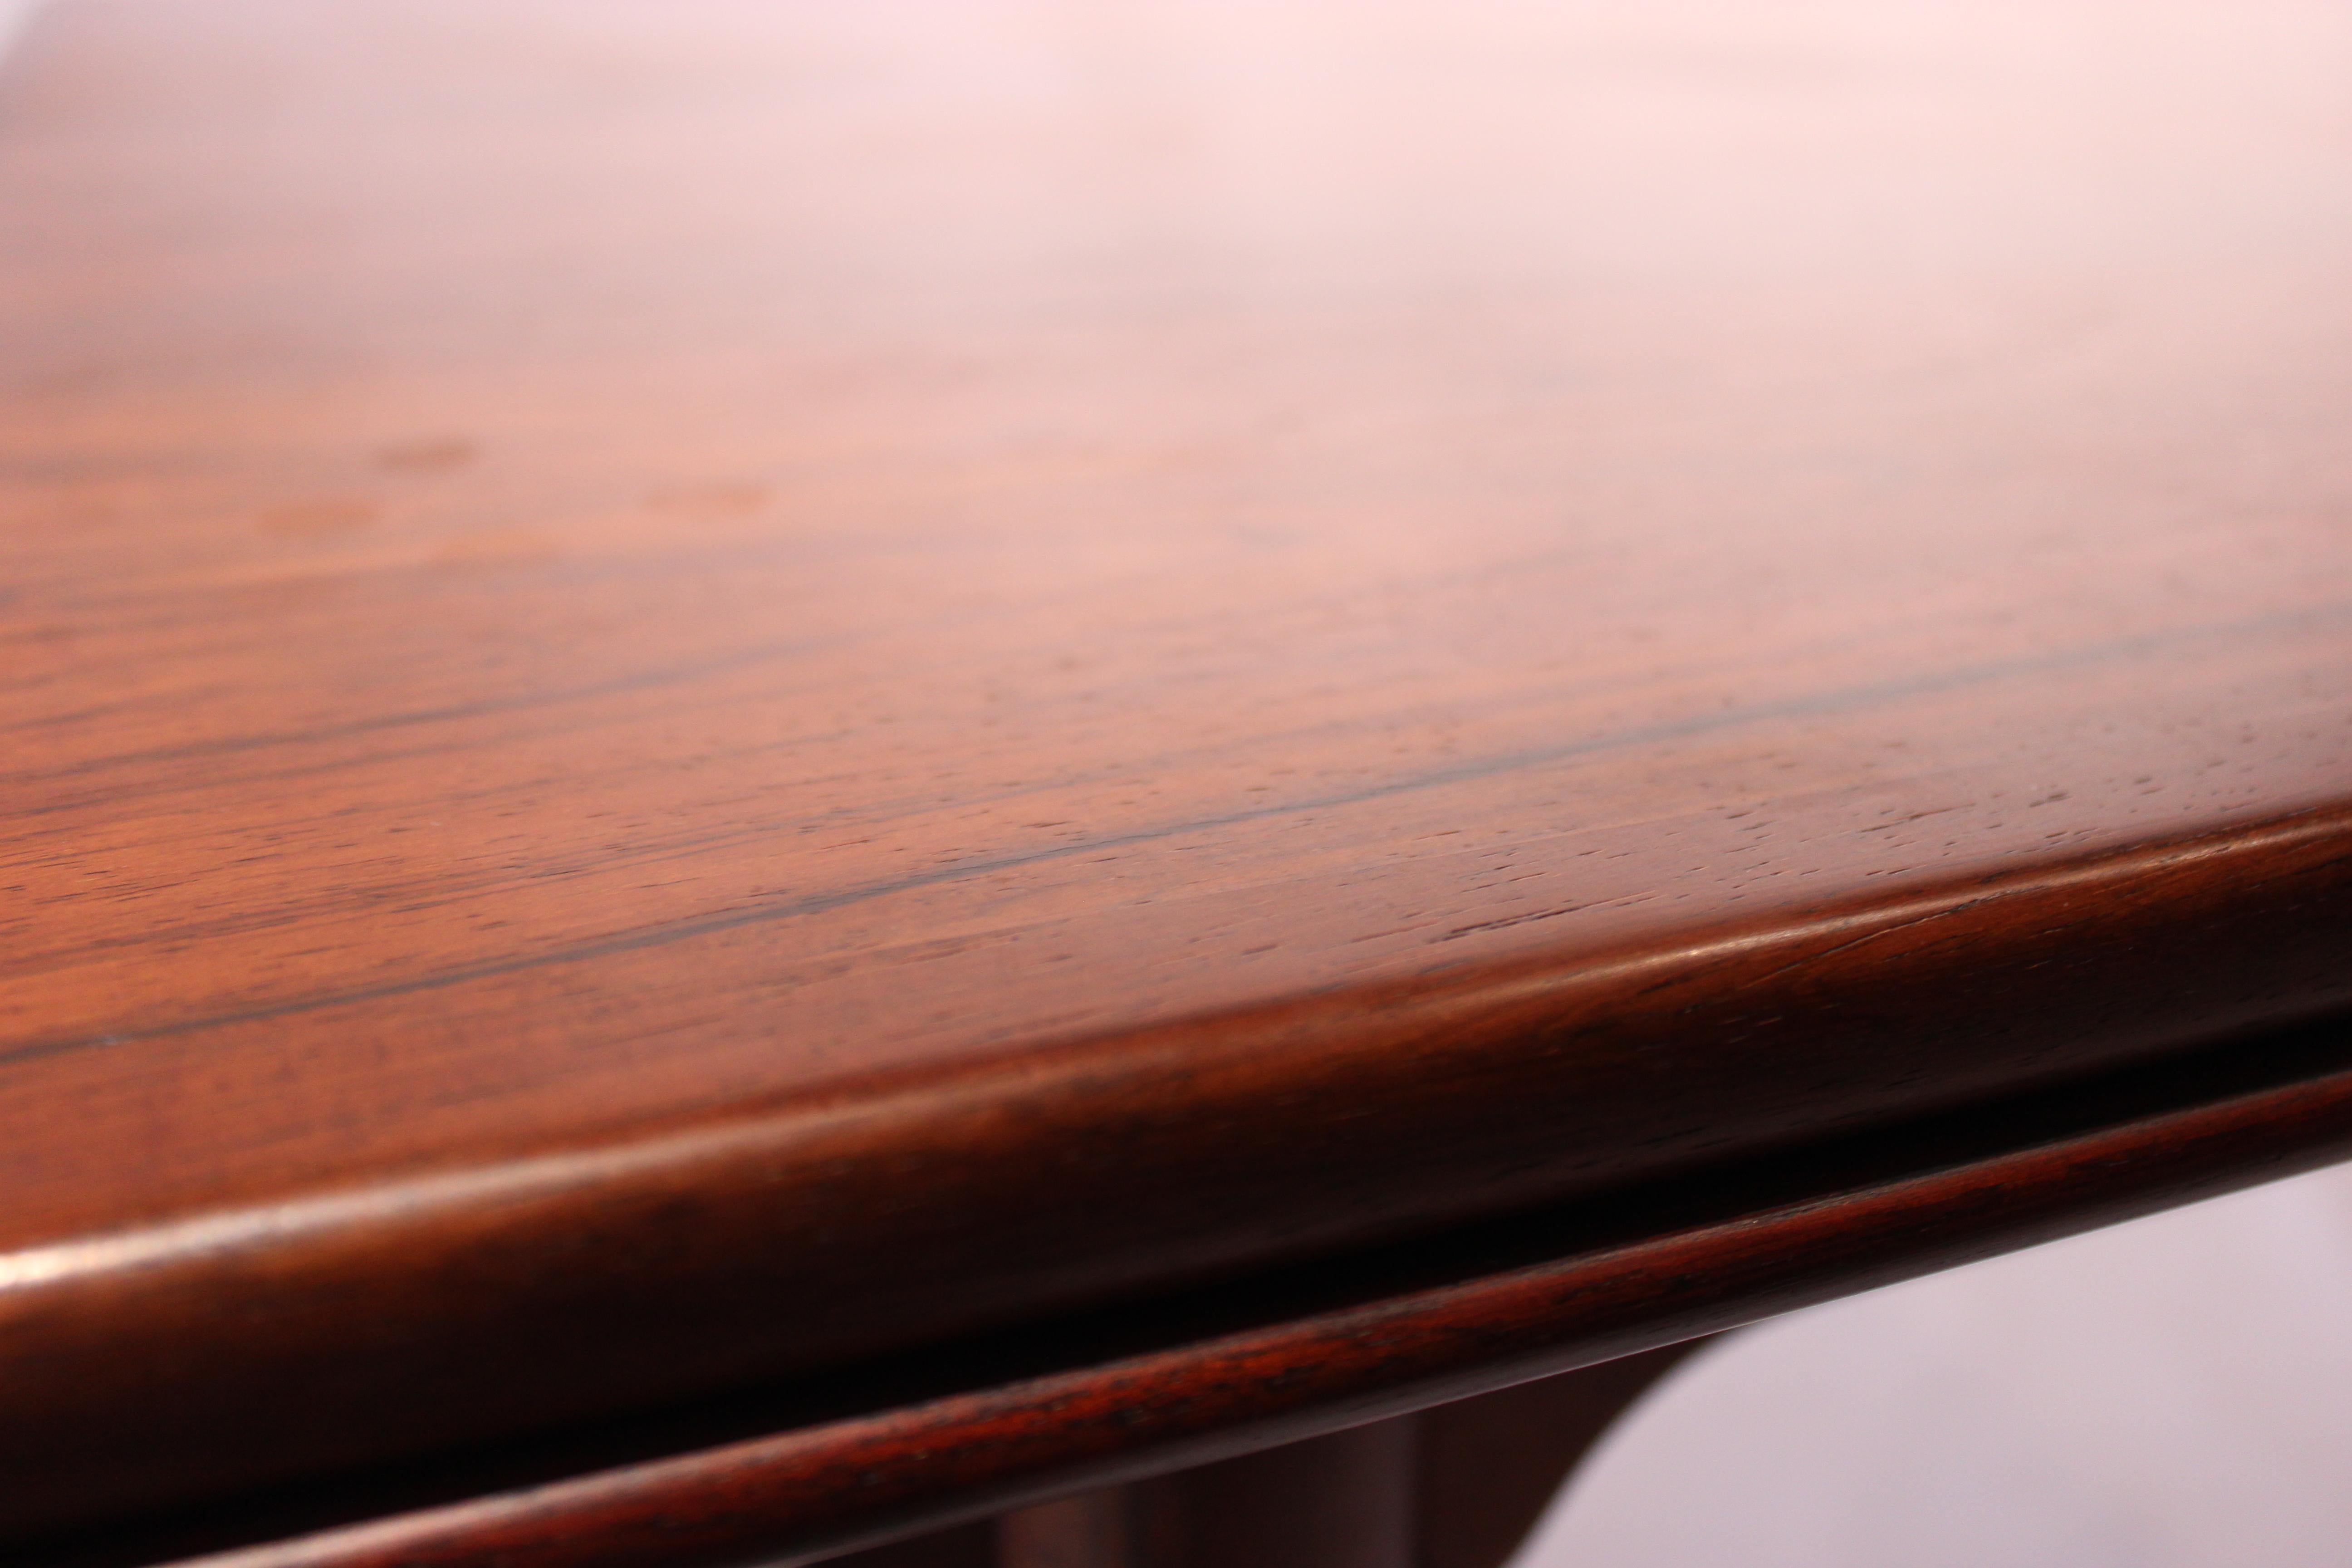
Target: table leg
<point x="1489" y="1466"/>
<point x="1456" y="1487"/>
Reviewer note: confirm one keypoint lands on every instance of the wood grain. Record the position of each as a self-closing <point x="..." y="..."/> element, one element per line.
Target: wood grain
<point x="1330" y="1345"/>
<point x="695" y="689"/>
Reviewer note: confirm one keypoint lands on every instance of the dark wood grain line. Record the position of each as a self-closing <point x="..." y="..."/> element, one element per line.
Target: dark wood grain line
<point x="229" y="746"/>
<point x="643" y="937"/>
<point x="1355" y="548"/>
<point x="817" y="1227"/>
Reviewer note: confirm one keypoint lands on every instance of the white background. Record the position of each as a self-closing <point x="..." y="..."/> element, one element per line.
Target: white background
<point x="2173" y="1391"/>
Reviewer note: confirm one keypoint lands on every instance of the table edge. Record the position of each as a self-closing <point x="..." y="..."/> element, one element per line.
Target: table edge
<point x="466" y="1305"/>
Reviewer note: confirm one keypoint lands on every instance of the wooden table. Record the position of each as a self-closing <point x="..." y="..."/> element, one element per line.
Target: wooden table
<point x="778" y="775"/>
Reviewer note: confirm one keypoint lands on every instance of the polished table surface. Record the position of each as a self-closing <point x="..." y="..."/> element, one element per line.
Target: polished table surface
<point x="696" y="691"/>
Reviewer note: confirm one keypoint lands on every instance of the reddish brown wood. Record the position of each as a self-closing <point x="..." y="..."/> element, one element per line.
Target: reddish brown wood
<point x="1456" y="1485"/>
<point x="1111" y="1526"/>
<point x="447" y="1305"/>
<point x="1487" y="1467"/>
<point x="1343" y="1500"/>
<point x="811" y="1493"/>
<point x="672" y="672"/>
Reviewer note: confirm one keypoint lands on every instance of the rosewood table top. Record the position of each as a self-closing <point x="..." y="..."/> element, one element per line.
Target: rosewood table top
<point x="699" y="692"/>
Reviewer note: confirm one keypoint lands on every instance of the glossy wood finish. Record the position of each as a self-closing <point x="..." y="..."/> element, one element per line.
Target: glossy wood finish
<point x="675" y="671"/>
<point x="1458" y="1485"/>
<point x="1331" y="1345"/>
